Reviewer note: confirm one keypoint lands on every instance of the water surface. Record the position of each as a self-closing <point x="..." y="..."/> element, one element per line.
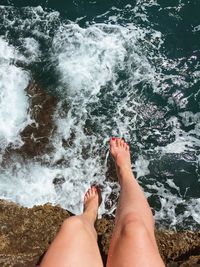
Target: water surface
<point x="119" y="68"/>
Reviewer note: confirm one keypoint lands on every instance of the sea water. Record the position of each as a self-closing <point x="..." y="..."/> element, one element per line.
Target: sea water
<point x="122" y="68"/>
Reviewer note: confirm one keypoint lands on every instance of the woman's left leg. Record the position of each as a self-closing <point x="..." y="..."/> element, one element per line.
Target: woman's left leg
<point x="76" y="243"/>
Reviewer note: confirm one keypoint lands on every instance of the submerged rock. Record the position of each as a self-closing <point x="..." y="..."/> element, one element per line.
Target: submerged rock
<point x="25" y="235"/>
<point x="35" y="136"/>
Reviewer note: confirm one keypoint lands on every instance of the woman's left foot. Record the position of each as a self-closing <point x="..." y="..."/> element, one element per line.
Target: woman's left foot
<point x="91" y="203"/>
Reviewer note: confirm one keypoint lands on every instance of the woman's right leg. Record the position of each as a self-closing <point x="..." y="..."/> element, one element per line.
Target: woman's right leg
<point x="133" y="242"/>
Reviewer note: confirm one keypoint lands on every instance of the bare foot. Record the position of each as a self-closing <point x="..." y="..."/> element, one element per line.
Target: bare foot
<point x="92" y="201"/>
<point x="120" y="152"/>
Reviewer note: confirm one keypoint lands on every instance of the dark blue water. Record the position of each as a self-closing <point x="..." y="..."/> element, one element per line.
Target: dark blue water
<point x="123" y="68"/>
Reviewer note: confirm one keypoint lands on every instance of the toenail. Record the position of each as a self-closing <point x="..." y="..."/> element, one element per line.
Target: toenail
<point x="113" y="138"/>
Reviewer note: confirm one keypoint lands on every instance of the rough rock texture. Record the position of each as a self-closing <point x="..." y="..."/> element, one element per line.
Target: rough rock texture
<point x="36" y="135"/>
<point x="25" y="235"/>
<point x="182" y="247"/>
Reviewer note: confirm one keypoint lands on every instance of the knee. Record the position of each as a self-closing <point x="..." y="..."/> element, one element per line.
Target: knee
<point x="132" y="224"/>
<point x="71" y="223"/>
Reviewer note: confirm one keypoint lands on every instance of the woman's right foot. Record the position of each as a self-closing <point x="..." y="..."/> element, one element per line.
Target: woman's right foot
<point x="120" y="152"/>
<point x="92" y="201"/>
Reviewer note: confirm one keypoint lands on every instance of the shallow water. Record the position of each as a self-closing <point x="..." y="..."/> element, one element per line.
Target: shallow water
<point x="119" y="68"/>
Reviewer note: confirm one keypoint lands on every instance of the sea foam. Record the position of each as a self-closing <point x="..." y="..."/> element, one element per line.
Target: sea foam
<point x="109" y="78"/>
<point x="13" y="99"/>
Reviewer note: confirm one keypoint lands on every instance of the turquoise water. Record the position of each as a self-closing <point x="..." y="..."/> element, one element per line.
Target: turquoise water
<point x="122" y="68"/>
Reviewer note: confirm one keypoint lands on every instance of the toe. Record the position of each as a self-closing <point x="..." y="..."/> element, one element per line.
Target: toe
<point x="93" y="191"/>
<point x="113" y="141"/>
<point x="121" y="142"/>
<point x="118" y="142"/>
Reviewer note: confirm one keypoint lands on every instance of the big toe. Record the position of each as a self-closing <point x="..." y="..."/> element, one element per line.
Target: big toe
<point x="113" y="142"/>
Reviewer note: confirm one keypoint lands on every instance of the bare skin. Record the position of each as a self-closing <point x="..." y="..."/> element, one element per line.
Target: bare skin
<point x="76" y="243"/>
<point x="133" y="241"/>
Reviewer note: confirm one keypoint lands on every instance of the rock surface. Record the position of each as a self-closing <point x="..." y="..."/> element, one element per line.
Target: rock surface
<point x="25" y="235"/>
<point x="35" y="136"/>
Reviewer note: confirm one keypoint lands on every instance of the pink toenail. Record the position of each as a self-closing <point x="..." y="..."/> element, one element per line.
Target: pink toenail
<point x="113" y="138"/>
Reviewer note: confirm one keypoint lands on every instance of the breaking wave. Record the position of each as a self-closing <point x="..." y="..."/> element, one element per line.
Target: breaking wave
<point x="113" y="78"/>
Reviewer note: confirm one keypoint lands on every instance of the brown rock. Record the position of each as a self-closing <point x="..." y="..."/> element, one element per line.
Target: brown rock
<point x="36" y="136"/>
<point x="25" y="235"/>
<point x="105" y="228"/>
<point x="178" y="247"/>
<point x="193" y="261"/>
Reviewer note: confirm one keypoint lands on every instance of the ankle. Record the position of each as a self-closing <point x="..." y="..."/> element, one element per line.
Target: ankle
<point x="90" y="215"/>
<point x="125" y="172"/>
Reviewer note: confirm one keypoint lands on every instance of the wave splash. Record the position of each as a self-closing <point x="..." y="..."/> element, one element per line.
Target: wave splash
<point x="112" y="80"/>
<point x="13" y="100"/>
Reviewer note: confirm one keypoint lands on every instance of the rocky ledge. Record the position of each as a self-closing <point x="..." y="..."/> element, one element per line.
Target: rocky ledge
<point x="25" y="235"/>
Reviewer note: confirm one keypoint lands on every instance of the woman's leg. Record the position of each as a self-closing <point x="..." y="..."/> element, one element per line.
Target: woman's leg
<point x="76" y="243"/>
<point x="133" y="242"/>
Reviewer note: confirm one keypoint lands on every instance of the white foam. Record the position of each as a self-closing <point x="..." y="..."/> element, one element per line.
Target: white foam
<point x="167" y="215"/>
<point x="7" y="52"/>
<point x="33" y="183"/>
<point x="32" y="49"/>
<point x="88" y="57"/>
<point x="88" y="62"/>
<point x="196" y="28"/>
<point x="13" y="99"/>
<point x="184" y="141"/>
<point x="141" y="166"/>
